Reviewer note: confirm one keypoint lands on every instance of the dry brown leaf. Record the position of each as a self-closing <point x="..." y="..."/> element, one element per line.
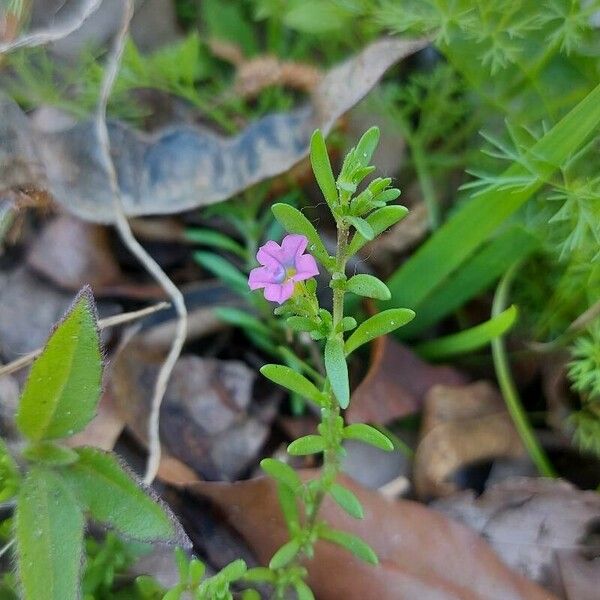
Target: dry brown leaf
<point x="396" y="383"/>
<point x="461" y="425"/>
<point x="181" y="167"/>
<point x="533" y="524"/>
<point x="423" y="555"/>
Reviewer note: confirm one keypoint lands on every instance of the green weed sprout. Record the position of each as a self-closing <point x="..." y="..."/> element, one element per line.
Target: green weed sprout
<point x="287" y="275"/>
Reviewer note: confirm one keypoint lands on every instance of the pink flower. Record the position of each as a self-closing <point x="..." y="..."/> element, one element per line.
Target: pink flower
<point x="282" y="266"/>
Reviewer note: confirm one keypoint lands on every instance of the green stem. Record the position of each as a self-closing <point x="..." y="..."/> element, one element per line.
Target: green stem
<point x="508" y="388"/>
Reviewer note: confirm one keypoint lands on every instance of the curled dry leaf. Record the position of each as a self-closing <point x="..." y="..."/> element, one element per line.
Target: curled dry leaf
<point x="533" y="524"/>
<point x="422" y="553"/>
<point x="461" y="425"/>
<point x="205" y="421"/>
<point x="396" y="383"/>
<point x="181" y="167"/>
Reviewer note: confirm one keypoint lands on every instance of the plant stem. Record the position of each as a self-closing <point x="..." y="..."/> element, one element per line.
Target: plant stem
<point x="508" y="388"/>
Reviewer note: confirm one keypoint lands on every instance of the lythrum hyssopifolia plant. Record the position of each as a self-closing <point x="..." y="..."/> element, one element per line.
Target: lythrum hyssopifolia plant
<point x="286" y="275"/>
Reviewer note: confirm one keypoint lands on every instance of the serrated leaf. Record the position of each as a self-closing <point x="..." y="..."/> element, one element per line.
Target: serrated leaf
<point x="64" y="384"/>
<point x="369" y="286"/>
<point x="223" y="270"/>
<point x="347" y="500"/>
<point x="380" y="324"/>
<point x="49" y="534"/>
<point x="319" y="159"/>
<point x="337" y="370"/>
<point x="379" y="220"/>
<point x="350" y="542"/>
<point x="281" y="472"/>
<point x="112" y="497"/>
<point x="369" y="435"/>
<point x="285" y="554"/>
<point x="293" y="221"/>
<point x="308" y="444"/>
<point x="50" y="454"/>
<point x="362" y="227"/>
<point x="293" y="381"/>
<point x="367" y="145"/>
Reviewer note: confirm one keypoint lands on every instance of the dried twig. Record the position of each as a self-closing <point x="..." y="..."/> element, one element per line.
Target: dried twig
<point x="73" y="21"/>
<point x="113" y="321"/>
<point x="136" y="248"/>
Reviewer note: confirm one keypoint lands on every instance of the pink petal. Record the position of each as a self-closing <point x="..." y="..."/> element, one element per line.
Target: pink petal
<point x="279" y="292"/>
<point x="260" y="277"/>
<point x="306" y="267"/>
<point x="293" y="245"/>
<point x="270" y="255"/>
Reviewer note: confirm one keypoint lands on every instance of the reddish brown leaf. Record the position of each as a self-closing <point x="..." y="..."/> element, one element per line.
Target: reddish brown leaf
<point x="396" y="384"/>
<point x="423" y="555"/>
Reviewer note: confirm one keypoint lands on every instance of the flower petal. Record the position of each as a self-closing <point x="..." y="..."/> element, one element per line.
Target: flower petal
<point x="270" y="255"/>
<point x="279" y="292"/>
<point x="306" y="267"/>
<point x="260" y="277"/>
<point x="293" y="245"/>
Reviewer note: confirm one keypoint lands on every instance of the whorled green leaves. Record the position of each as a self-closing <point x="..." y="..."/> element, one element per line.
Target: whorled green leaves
<point x="64" y="384"/>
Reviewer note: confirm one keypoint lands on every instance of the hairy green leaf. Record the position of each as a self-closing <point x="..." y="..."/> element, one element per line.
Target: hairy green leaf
<point x="50" y="454"/>
<point x="49" y="534"/>
<point x="379" y="221"/>
<point x="64" y="384"/>
<point x="9" y="474"/>
<point x="112" y="497"/>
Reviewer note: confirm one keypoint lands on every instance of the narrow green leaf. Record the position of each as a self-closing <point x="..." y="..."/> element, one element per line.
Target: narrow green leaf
<point x="50" y="454"/>
<point x="64" y="384"/>
<point x="284" y="555"/>
<point x="347" y="500"/>
<point x="289" y="508"/>
<point x="294" y="381"/>
<point x="49" y="534"/>
<point x="293" y="221"/>
<point x="233" y="571"/>
<point x="473" y="277"/>
<point x="350" y="542"/>
<point x="214" y="239"/>
<point x="367" y="145"/>
<point x="10" y="477"/>
<point x="260" y="574"/>
<point x="281" y="472"/>
<point x="303" y="591"/>
<point x="337" y="370"/>
<point x="368" y="435"/>
<point x="243" y="319"/>
<point x="369" y="286"/>
<point x="308" y="444"/>
<point x="112" y="497"/>
<point x="223" y="270"/>
<point x="319" y="159"/>
<point x="379" y="220"/>
<point x="473" y="223"/>
<point x="380" y="324"/>
<point x="362" y="227"/>
<point x="470" y="339"/>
